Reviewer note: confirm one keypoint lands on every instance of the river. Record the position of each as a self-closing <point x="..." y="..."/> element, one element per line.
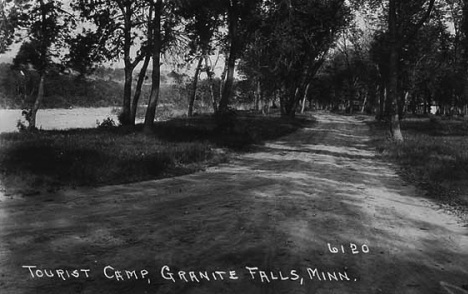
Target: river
<point x="59" y="119"/>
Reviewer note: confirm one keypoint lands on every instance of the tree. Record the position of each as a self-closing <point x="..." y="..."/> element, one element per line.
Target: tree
<point x="121" y="24"/>
<point x="203" y="19"/>
<point x="164" y="37"/>
<point x="404" y="21"/>
<point x="46" y="25"/>
<point x="241" y="18"/>
<point x="85" y="52"/>
<point x="291" y="44"/>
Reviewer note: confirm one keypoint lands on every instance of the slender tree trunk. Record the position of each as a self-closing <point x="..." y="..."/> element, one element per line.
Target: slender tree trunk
<point x="363" y="109"/>
<point x="127" y="95"/>
<point x="37" y="103"/>
<point x="136" y="96"/>
<point x="43" y="65"/>
<point x="305" y="97"/>
<point x="144" y="68"/>
<point x="402" y="105"/>
<point x="222" y="80"/>
<point x="258" y="95"/>
<point x="193" y="94"/>
<point x="209" y="73"/>
<point x="425" y="106"/>
<point x="156" y="75"/>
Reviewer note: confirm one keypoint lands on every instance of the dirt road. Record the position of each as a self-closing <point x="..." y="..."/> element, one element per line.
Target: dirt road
<point x="266" y="223"/>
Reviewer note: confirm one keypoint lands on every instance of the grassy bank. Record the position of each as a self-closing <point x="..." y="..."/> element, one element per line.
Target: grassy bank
<point x="434" y="156"/>
<point x="49" y="160"/>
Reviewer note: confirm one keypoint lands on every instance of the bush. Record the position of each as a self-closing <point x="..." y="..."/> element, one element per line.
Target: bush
<point x="106" y="123"/>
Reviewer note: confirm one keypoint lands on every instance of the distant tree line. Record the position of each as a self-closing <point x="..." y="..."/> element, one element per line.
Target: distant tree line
<point x="423" y="66"/>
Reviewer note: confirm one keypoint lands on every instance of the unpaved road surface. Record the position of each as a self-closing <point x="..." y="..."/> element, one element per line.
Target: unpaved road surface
<point x="276" y="210"/>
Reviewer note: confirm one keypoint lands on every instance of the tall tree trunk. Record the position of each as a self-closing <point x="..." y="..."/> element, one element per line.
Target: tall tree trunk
<point x="193" y="94"/>
<point x="42" y="70"/>
<point x="142" y="76"/>
<point x="37" y="103"/>
<point x="209" y="73"/>
<point x="291" y="103"/>
<point x="127" y="95"/>
<point x="363" y="109"/>
<point x="156" y="75"/>
<point x="258" y="95"/>
<point x="425" y="106"/>
<point x="413" y="104"/>
<point x="136" y="96"/>
<point x="402" y="105"/>
<point x="228" y="85"/>
<point x="231" y="62"/>
<point x="392" y="95"/>
<point x="305" y="97"/>
<point x="393" y="69"/>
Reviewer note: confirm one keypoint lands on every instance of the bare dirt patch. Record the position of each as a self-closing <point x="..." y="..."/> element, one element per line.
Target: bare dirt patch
<point x="276" y="209"/>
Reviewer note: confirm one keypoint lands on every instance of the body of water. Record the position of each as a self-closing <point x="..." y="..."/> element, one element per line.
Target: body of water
<point x="59" y="119"/>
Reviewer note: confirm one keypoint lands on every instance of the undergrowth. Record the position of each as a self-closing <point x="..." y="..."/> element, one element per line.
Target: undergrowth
<point x="116" y="154"/>
<point x="433" y="156"/>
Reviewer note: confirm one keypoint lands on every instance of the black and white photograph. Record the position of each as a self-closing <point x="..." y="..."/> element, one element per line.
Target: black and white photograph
<point x="233" y="146"/>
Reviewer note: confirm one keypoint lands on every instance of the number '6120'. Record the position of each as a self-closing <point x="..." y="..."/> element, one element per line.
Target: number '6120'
<point x="351" y="248"/>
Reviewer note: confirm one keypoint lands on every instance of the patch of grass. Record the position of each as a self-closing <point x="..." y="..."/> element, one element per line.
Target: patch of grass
<point x="115" y="155"/>
<point x="433" y="156"/>
<point x="95" y="158"/>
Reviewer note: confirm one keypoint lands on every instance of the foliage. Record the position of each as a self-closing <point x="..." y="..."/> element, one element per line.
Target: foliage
<point x="46" y="26"/>
<point x="291" y="44"/>
<point x="85" y="52"/>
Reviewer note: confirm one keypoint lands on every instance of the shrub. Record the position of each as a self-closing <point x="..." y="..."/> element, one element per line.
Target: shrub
<point x="106" y="123"/>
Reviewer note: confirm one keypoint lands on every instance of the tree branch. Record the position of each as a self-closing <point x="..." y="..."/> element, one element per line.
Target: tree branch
<point x="418" y="24"/>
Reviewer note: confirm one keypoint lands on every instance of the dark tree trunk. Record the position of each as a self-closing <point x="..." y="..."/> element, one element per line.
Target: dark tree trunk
<point x="392" y="94"/>
<point x="127" y="95"/>
<point x="125" y="115"/>
<point x="156" y="75"/>
<point x="144" y="68"/>
<point x="231" y="61"/>
<point x="136" y="96"/>
<point x="228" y="85"/>
<point x="193" y="94"/>
<point x="425" y="106"/>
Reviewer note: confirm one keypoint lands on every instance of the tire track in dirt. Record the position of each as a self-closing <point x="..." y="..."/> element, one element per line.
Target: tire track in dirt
<point x="275" y="209"/>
